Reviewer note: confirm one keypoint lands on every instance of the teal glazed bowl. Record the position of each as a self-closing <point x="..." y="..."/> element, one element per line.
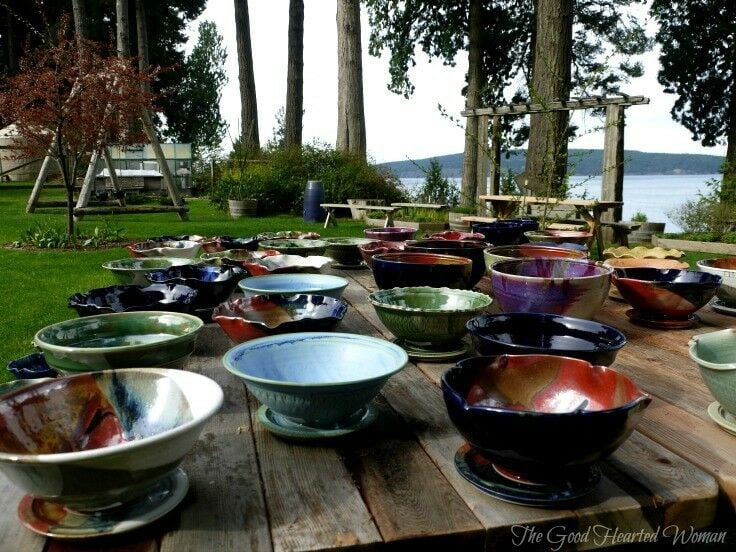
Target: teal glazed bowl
<point x="294" y="284"/>
<point x="427" y="315"/>
<point x="715" y="355"/>
<point x="318" y="379"/>
<point x="120" y="340"/>
<point x="106" y="437"/>
<point x="133" y="270"/>
<point x="294" y="247"/>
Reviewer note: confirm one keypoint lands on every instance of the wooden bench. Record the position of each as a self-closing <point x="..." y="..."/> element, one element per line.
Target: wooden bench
<point x="330" y="208"/>
<point x="434" y="206"/>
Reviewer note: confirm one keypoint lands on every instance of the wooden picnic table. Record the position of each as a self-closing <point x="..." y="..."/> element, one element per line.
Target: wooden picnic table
<point x="396" y="483"/>
<point x="331" y="219"/>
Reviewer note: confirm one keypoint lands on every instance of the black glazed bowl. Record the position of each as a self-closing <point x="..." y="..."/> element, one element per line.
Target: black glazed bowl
<point x="470" y="249"/>
<point x="32" y="366"/>
<point x="213" y="283"/>
<point x="392" y="270"/>
<point x="541" y="415"/>
<point x="156" y="297"/>
<point x="502" y="232"/>
<point x="527" y="333"/>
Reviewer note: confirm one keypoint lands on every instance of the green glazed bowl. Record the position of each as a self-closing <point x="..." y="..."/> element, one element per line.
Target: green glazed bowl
<point x="133" y="270"/>
<point x="427" y="315"/>
<point x="120" y="340"/>
<point x="345" y="251"/>
<point x="295" y="247"/>
<point x="715" y="354"/>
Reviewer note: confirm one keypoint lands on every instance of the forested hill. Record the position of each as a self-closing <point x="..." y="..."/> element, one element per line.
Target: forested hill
<point x="582" y="163"/>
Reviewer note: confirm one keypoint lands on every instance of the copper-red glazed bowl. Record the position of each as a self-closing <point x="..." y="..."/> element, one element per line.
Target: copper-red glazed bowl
<point x="421" y="269"/>
<point x="368" y="250"/>
<point x="391" y="233"/>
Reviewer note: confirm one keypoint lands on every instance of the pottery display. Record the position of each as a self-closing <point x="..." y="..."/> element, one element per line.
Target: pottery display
<point x="301" y="247"/>
<point x="235" y="257"/>
<point x="421" y="269"/>
<point x="726" y="269"/>
<point x="715" y="355"/>
<point x="259" y="315"/>
<point x="368" y="250"/>
<point x="322" y="380"/>
<point x="119" y="340"/>
<point x="288" y="235"/>
<point x="527" y="251"/>
<point x="344" y="251"/>
<point x="559" y="236"/>
<point x="294" y="284"/>
<point x="165" y="248"/>
<point x="555" y="286"/>
<point x="545" y="334"/>
<point x="391" y="233"/>
<point x="641" y="252"/>
<point x="132" y="271"/>
<point x="214" y="284"/>
<point x="228" y="243"/>
<point x="502" y="232"/>
<point x="470" y="249"/>
<point x="154" y="297"/>
<point x="32" y="366"/>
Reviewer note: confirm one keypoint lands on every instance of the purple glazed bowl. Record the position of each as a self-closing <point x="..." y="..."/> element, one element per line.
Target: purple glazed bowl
<point x="392" y="233"/>
<point x="392" y="270"/>
<point x="556" y="286"/>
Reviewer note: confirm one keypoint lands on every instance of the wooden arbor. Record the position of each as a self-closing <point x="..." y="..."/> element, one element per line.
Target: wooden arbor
<point x="612" y="184"/>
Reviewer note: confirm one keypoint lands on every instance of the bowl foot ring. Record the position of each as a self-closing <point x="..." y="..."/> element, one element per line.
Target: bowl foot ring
<point x="721" y="416"/>
<point x="291" y="430"/>
<point x="662" y="323"/>
<point x="723" y="307"/>
<point x="432" y="354"/>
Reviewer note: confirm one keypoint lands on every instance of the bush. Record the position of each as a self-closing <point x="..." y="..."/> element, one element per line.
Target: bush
<point x="436" y="188"/>
<point x="706" y="214"/>
<point x="639" y="217"/>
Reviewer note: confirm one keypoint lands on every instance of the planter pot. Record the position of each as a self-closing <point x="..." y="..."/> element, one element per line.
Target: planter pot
<point x="242" y="207"/>
<point x="688" y="245"/>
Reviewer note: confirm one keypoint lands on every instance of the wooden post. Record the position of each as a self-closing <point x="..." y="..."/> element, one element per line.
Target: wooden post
<point x="481" y="186"/>
<point x="113" y="176"/>
<point x="87" y="186"/>
<point x="38" y="186"/>
<point x="496" y="156"/>
<point x="612" y="180"/>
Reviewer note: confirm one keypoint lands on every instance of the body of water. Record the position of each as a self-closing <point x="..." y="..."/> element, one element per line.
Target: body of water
<point x="653" y="194"/>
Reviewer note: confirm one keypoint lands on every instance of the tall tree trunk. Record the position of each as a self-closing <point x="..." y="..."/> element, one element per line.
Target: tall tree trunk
<point x="472" y="101"/>
<point x="10" y="43"/>
<point x="80" y="18"/>
<point x="546" y="162"/>
<point x="122" y="27"/>
<point x="141" y="27"/>
<point x="295" y="76"/>
<point x="350" y="115"/>
<point x="728" y="187"/>
<point x="248" y="105"/>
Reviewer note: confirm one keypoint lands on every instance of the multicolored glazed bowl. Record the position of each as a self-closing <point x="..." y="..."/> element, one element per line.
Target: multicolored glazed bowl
<point x="559" y="236"/>
<point x="470" y="249"/>
<point x="526" y="333"/>
<point x="295" y="247"/>
<point x="540" y="415"/>
<point x="165" y="248"/>
<point x="237" y="257"/>
<point x="368" y="250"/>
<point x="427" y="315"/>
<point x="555" y="286"/>
<point x="502" y="232"/>
<point x="421" y="269"/>
<point x="391" y="233"/>
<point x="345" y="251"/>
<point x="726" y="269"/>
<point x="527" y="251"/>
<point x="715" y="355"/>
<point x="106" y="437"/>
<point x="318" y="379"/>
<point x="454" y="235"/>
<point x="287" y="264"/>
<point x="214" y="284"/>
<point x="665" y="293"/>
<point x="132" y="271"/>
<point x="288" y="235"/>
<point x="154" y="297"/>
<point x="120" y="340"/>
<point x="227" y="243"/>
<point x="294" y="284"/>
<point x="256" y="316"/>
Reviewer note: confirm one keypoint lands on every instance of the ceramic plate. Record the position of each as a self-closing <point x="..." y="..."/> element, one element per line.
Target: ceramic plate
<point x="662" y="323"/>
<point x="722" y="417"/>
<point x="723" y="307"/>
<point x="54" y="520"/>
<point x="278" y="425"/>
<point x="452" y="351"/>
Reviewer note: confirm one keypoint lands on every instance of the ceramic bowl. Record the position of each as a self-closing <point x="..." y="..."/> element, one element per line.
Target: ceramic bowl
<point x="227" y="243"/>
<point x="564" y="245"/>
<point x="502" y="232"/>
<point x="31" y="366"/>
<point x="421" y="269"/>
<point x="715" y="355"/>
<point x="295" y="247"/>
<point x="294" y="284"/>
<point x="132" y="271"/>
<point x="527" y="251"/>
<point x="427" y="315"/>
<point x="555" y="286"/>
<point x="214" y="284"/>
<point x="106" y="437"/>
<point x="344" y="251"/>
<point x="537" y="414"/>
<point x="367" y="250"/>
<point x="527" y="225"/>
<point x="287" y="264"/>
<point x="665" y="293"/>
<point x="726" y="269"/>
<point x="154" y="297"/>
<point x="470" y="249"/>
<point x="235" y="257"/>
<point x="318" y="379"/>
<point x="641" y="252"/>
<point x="260" y="315"/>
<point x="454" y="235"/>
<point x="559" y="236"/>
<point x="120" y="340"/>
<point x="180" y="237"/>
<point x="165" y="248"/>
<point x="391" y="234"/>
<point x="545" y="334"/>
<point x="288" y="235"/>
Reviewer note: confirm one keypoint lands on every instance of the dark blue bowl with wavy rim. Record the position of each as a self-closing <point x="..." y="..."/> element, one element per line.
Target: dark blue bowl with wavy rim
<point x="530" y="333"/>
<point x="32" y="366"/>
<point x="164" y="297"/>
<point x="214" y="283"/>
<point x="501" y="232"/>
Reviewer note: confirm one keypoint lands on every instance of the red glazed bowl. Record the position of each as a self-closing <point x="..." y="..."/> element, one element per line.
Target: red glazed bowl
<point x="369" y="249"/>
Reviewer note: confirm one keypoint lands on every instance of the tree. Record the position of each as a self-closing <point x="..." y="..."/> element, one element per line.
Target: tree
<point x="698" y="57"/>
<point x="472" y="101"/>
<point x="350" y="115"/>
<point x="248" y="103"/>
<point x="202" y="124"/>
<point x="295" y="76"/>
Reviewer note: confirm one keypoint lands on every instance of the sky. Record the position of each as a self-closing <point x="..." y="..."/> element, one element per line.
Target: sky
<point x="399" y="128"/>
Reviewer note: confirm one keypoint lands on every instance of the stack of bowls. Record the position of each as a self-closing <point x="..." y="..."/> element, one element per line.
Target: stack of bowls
<point x="527" y="251"/>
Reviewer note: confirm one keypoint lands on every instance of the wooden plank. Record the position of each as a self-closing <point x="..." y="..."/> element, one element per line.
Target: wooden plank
<point x="128" y="210"/>
<point x="566" y="105"/>
<point x="13" y="535"/>
<point x="435" y="206"/>
<point x="535" y="200"/>
<point x="483" y="155"/>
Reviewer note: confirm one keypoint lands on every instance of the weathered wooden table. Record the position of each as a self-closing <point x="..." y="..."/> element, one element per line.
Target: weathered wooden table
<point x="396" y="483"/>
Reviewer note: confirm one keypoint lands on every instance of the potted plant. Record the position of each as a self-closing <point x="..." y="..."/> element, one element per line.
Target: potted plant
<point x="239" y="193"/>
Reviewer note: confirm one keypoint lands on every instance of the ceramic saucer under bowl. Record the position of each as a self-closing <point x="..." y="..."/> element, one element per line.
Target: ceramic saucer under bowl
<point x="509" y="487"/>
<point x="662" y="323"/>
<point x="432" y="354"/>
<point x="55" y="520"/>
<point x="288" y="429"/>
<point x="722" y="417"/>
<point x="723" y="307"/>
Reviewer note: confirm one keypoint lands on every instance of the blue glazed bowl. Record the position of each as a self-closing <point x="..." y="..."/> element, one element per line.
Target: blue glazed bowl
<point x="470" y="249"/>
<point x="541" y="415"/>
<point x="31" y="366"/>
<point x="164" y="297"/>
<point x="528" y="225"/>
<point x="502" y="232"/>
<point x="294" y="284"/>
<point x="318" y="379"/>
<point x="392" y="270"/>
<point x="214" y="284"/>
<point x="545" y="334"/>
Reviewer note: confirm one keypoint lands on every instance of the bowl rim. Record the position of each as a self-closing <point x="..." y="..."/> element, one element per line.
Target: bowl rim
<point x="576" y="253"/>
<point x="374" y="299"/>
<point x="715" y="279"/>
<point x="702" y="264"/>
<point x="608" y="271"/>
<point x="333" y="281"/>
<point x="82" y="298"/>
<point x="400" y="354"/>
<point x="309" y="243"/>
<point x="693" y="344"/>
<point x="344" y="241"/>
<point x="391" y="229"/>
<point x="238" y="271"/>
<point x="190" y="245"/>
<point x="72" y="457"/>
<point x="340" y="305"/>
<point x="456" y="260"/>
<point x="174" y="261"/>
<point x="459" y="245"/>
<point x="198" y="325"/>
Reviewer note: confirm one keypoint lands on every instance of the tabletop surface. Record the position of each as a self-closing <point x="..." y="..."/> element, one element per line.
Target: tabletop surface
<point x="396" y="481"/>
<point x="553" y="200"/>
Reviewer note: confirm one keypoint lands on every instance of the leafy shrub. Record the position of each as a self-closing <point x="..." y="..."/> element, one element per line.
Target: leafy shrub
<point x="706" y="215"/>
<point x="103" y="235"/>
<point x="639" y="217"/>
<point x="46" y="236"/>
<point x="437" y="188"/>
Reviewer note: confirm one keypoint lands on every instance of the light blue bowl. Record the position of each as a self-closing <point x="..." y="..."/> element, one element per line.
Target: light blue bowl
<point x="317" y="379"/>
<point x="294" y="284"/>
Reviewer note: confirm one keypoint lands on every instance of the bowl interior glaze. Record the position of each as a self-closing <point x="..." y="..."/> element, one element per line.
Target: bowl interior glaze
<point x="392" y="233"/>
<point x="196" y="274"/>
<point x="430" y="299"/>
<point x="290" y="284"/>
<point x="726" y="263"/>
<point x="407" y="258"/>
<point x="276" y="310"/>
<point x="551" y="268"/>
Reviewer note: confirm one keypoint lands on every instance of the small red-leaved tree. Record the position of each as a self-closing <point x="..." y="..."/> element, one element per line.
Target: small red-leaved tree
<point x="71" y="99"/>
